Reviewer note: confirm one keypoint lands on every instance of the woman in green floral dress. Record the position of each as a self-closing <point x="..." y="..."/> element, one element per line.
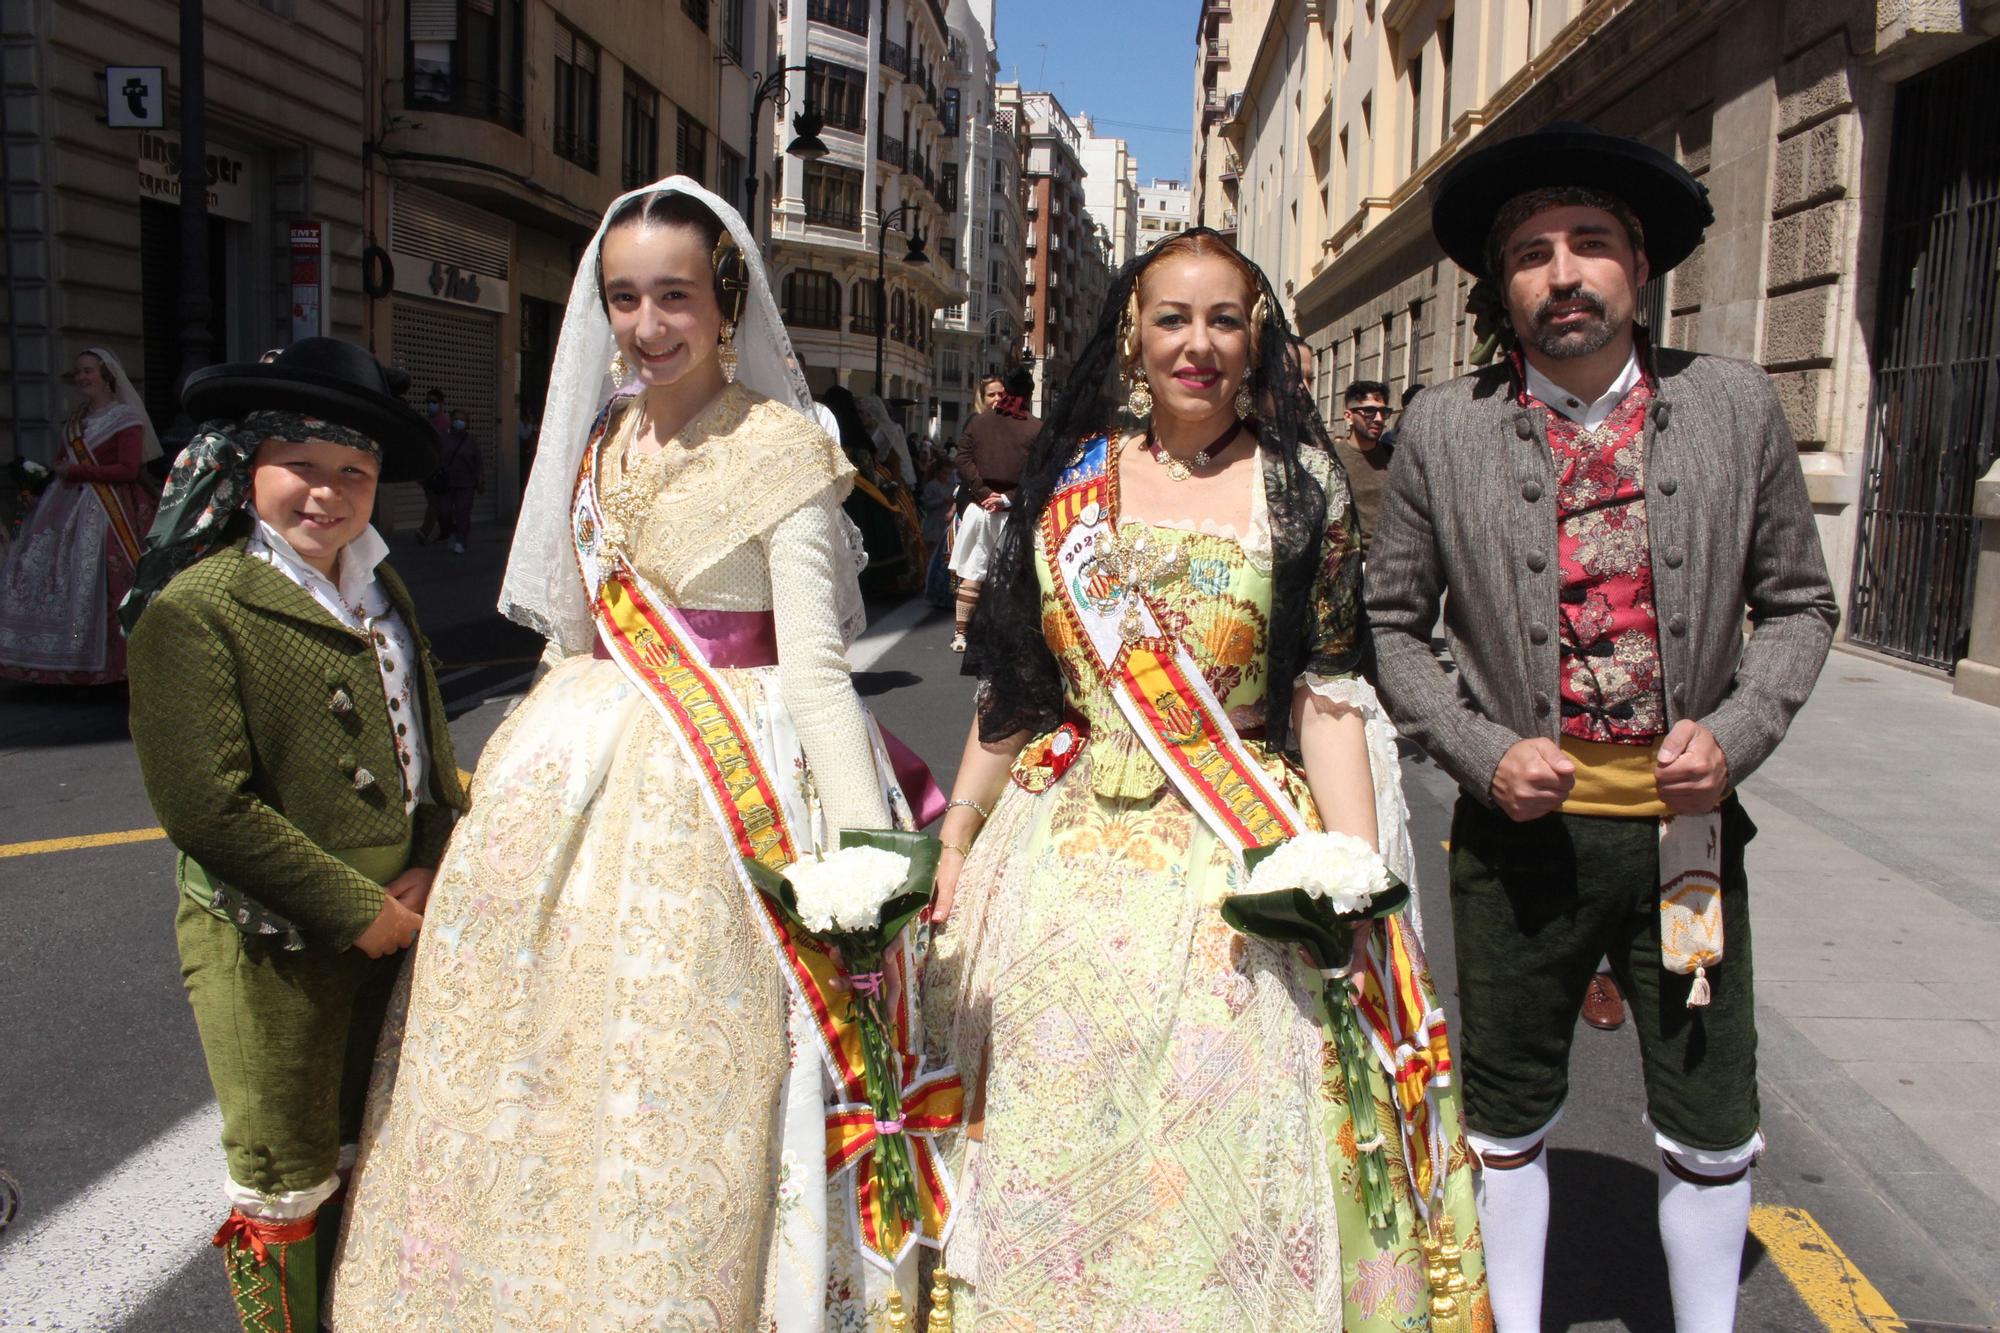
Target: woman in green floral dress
<point x="1159" y="1136"/>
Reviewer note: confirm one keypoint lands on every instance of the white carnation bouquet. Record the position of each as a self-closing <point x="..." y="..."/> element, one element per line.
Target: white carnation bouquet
<point x="1312" y="890"/>
<point x="854" y="902"/>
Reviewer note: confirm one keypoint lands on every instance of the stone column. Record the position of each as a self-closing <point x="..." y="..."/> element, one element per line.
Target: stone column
<point x="1977" y="675"/>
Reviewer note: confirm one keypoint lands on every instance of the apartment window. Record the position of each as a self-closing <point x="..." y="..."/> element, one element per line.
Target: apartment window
<point x="464" y="56"/>
<point x="833" y="195"/>
<point x="948" y="251"/>
<point x="1416" y="111"/>
<point x="730" y="175"/>
<point x="1447" y="30"/>
<point x="849" y="14"/>
<point x="1388" y="332"/>
<point x="698" y="11"/>
<point x="950" y="116"/>
<point x="866" y="310"/>
<point x="812" y="299"/>
<point x="575" y="119"/>
<point x="948" y="186"/>
<point x="640" y="164"/>
<point x="1413" y="363"/>
<point x="733" y="29"/>
<point x="896" y="316"/>
<point x="838" y="92"/>
<point x="690" y="147"/>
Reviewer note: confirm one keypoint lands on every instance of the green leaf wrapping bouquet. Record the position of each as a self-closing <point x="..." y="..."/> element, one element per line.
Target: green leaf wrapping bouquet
<point x="1312" y="890"/>
<point x="857" y="900"/>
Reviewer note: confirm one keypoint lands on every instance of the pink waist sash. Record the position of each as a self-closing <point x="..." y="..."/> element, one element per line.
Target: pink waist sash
<point x="741" y="639"/>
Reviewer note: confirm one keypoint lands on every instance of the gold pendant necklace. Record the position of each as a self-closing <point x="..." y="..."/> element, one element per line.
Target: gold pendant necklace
<point x="1178" y="469"/>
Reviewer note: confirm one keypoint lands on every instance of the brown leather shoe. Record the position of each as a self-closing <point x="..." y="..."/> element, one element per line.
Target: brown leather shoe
<point x="1603" y="1006"/>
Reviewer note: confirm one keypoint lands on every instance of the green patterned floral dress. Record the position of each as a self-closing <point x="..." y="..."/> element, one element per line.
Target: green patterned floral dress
<point x="1165" y="1141"/>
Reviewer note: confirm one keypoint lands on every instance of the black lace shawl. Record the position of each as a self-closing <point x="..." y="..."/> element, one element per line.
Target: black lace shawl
<point x="1316" y="617"/>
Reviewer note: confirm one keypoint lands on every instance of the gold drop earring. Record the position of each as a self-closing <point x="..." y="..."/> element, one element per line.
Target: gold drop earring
<point x="1246" y="403"/>
<point x="727" y="356"/>
<point x="619" y="370"/>
<point x="1140" y="399"/>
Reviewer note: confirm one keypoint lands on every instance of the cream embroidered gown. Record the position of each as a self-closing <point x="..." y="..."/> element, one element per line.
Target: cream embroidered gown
<point x="588" y="1125"/>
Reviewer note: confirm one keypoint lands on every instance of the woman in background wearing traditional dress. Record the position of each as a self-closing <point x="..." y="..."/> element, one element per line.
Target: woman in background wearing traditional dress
<point x="609" y="1109"/>
<point x="73" y="561"/>
<point x="1159" y="1136"/>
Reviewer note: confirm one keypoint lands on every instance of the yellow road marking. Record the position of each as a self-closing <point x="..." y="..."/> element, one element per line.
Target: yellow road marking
<point x="45" y="845"/>
<point x="78" y="843"/>
<point x="1839" y="1296"/>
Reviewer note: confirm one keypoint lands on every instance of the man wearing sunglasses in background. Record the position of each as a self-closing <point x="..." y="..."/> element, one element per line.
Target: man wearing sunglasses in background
<point x="1363" y="452"/>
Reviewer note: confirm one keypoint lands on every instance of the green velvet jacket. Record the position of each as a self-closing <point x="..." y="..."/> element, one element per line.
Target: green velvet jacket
<point x="263" y="741"/>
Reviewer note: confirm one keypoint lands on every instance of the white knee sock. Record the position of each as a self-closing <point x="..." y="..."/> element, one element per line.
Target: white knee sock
<point x="1702" y="1227"/>
<point x="1514" y="1222"/>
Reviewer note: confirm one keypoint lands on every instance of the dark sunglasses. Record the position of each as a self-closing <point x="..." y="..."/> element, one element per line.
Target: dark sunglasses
<point x="1369" y="411"/>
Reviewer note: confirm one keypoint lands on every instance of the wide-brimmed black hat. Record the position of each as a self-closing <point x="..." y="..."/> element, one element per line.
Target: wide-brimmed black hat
<point x="331" y="379"/>
<point x="1672" y="207"/>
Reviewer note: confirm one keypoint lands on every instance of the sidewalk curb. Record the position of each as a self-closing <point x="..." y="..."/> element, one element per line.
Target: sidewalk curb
<point x="1923" y="1195"/>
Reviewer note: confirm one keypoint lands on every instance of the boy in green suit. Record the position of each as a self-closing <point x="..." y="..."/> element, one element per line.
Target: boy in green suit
<point x="291" y="734"/>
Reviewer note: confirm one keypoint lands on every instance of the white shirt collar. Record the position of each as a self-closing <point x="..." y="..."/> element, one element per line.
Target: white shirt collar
<point x="1588" y="415"/>
<point x="356" y="591"/>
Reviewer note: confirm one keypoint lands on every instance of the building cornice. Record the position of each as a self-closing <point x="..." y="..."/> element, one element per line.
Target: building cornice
<point x="1570" y="77"/>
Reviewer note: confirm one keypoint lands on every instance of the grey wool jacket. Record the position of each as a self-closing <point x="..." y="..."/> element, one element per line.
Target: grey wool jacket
<point x="1470" y="510"/>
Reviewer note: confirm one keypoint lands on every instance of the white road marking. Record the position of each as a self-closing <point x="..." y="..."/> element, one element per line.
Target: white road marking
<point x="880" y="638"/>
<point x="95" y="1260"/>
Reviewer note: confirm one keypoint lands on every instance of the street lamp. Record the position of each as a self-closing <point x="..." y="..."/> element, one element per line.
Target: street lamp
<point x="903" y="218"/>
<point x="807" y="146"/>
<point x="1003" y="338"/>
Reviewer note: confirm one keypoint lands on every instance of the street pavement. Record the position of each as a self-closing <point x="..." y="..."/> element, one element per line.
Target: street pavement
<point x="1876" y="898"/>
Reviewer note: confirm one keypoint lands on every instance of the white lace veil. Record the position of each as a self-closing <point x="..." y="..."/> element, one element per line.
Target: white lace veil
<point x="127" y="395"/>
<point x="543" y="589"/>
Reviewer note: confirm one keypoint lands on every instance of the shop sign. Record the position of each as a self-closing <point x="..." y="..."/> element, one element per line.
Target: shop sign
<point x="442" y="281"/>
<point x="308" y="266"/>
<point x="135" y="97"/>
<point x="160" y="175"/>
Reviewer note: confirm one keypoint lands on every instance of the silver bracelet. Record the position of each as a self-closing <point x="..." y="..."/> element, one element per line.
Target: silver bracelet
<point x="969" y="804"/>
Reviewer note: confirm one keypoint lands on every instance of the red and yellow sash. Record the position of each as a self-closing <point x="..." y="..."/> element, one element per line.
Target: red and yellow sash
<point x="114" y="508"/>
<point x="646" y="638"/>
<point x="1103" y="584"/>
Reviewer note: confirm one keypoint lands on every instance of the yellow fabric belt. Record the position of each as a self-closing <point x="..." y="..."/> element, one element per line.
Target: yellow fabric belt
<point x="1614" y="780"/>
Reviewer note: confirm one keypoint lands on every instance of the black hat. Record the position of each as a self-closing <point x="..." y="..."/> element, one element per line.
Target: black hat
<point x="1671" y="206"/>
<point x="331" y="379"/>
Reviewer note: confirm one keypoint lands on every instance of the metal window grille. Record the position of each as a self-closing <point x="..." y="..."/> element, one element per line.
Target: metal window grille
<point x="1935" y="411"/>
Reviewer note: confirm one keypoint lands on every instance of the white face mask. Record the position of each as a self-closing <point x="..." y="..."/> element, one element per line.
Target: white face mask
<point x="458" y="423"/>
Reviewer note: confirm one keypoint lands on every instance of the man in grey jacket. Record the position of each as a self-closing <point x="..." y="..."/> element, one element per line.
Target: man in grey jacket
<point x="1602" y="514"/>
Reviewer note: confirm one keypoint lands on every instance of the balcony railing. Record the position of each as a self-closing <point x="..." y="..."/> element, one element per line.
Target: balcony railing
<point x="851" y="15"/>
<point x="833" y="215"/>
<point x="897" y="57"/>
<point x="891" y="151"/>
<point x="1218" y="52"/>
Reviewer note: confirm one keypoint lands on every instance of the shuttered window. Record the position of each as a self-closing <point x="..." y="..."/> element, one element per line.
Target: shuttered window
<point x="575" y="118"/>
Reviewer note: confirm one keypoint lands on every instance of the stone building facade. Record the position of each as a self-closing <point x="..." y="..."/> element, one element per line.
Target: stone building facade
<point x="982" y="332"/>
<point x="882" y="76"/>
<point x="92" y="245"/>
<point x="1785" y="109"/>
<point x="503" y="131"/>
<point x="1068" y="260"/>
